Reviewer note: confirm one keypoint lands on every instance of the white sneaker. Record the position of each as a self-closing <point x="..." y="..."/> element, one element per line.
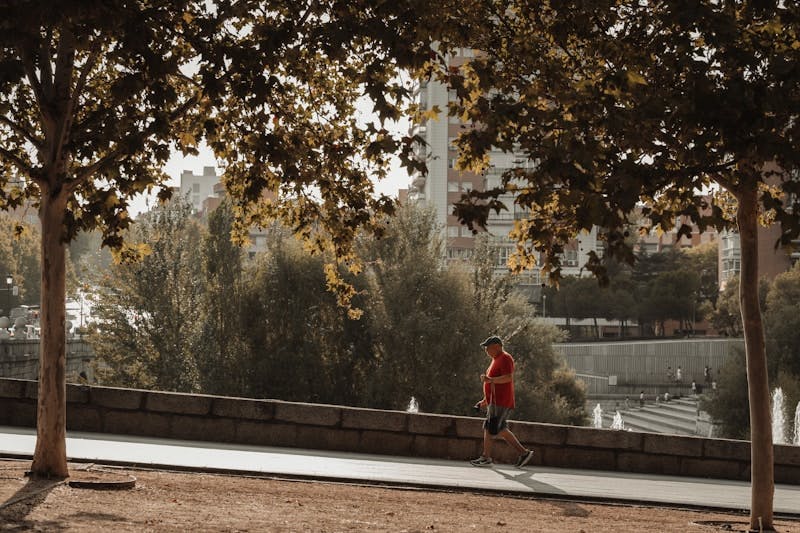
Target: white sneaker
<point x="525" y="458"/>
<point x="482" y="461"/>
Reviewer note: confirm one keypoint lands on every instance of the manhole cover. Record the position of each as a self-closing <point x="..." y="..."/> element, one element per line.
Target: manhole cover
<point x="723" y="525"/>
<point x="100" y="480"/>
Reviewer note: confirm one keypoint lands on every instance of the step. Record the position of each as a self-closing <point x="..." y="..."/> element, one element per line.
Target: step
<point x="657" y="424"/>
<point x="665" y="424"/>
<point x="653" y="426"/>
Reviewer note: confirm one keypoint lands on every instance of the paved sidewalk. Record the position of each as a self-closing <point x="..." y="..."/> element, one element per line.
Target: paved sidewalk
<point x="417" y="472"/>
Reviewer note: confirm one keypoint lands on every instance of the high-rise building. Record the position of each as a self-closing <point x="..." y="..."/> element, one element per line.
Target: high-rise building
<point x="445" y="184"/>
<point x="196" y="188"/>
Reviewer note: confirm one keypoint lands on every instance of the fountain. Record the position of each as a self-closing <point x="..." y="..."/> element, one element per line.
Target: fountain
<point x="796" y="439"/>
<point x="413" y="406"/>
<point x="617" y="423"/>
<point x="597" y="417"/>
<point x="778" y="417"/>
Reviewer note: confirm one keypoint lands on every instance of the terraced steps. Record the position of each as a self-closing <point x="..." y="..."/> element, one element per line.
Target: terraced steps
<point x="677" y="417"/>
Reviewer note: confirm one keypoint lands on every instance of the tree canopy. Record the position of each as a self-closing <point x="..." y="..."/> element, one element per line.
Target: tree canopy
<point x="94" y="96"/>
<point x="622" y="105"/>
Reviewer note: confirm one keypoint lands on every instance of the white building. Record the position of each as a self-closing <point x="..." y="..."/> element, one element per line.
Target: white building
<point x="196" y="188"/>
<point x="444" y="185"/>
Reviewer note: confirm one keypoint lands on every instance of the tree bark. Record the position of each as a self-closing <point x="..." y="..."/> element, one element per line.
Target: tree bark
<point x="50" y="455"/>
<point x="761" y="451"/>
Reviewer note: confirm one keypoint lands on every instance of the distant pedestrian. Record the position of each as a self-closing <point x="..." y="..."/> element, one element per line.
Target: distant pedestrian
<point x="669" y="374"/>
<point x="641" y="399"/>
<point x="694" y="388"/>
<point x="678" y="375"/>
<point x="498" y="400"/>
<point x="666" y="396"/>
<point x="707" y="375"/>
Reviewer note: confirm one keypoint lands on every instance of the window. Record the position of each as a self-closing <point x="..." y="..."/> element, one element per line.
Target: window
<point x="196" y="187"/>
<point x="466" y="186"/>
<point x="452" y="231"/>
<point x="452" y="186"/>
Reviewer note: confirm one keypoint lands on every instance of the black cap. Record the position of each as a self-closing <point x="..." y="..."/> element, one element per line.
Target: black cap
<point x="494" y="339"/>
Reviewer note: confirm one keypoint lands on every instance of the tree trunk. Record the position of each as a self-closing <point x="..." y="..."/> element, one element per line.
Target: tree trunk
<point x="50" y="455"/>
<point x="761" y="452"/>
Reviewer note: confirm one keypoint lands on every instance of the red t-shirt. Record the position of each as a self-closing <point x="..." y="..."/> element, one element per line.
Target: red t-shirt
<point x="500" y="366"/>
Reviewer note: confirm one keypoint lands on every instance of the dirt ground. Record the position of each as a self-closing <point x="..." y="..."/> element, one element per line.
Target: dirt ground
<point x="171" y="501"/>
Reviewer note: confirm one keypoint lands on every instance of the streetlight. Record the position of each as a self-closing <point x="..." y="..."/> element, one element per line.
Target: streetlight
<point x="9" y="283"/>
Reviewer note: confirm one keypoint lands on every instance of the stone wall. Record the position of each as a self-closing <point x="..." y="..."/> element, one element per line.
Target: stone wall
<point x="330" y="427"/>
<point x="20" y="358"/>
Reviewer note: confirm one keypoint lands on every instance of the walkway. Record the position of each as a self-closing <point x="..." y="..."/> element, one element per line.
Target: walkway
<point x="417" y="472"/>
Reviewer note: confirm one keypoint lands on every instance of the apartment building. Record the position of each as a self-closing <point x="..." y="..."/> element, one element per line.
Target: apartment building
<point x="445" y="184"/>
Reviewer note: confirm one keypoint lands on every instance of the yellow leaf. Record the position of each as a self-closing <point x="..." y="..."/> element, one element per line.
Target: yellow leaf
<point x="188" y="17"/>
<point x="187" y="139"/>
<point x="636" y="78"/>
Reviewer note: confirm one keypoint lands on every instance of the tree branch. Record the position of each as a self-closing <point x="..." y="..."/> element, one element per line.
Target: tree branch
<point x="22" y="131"/>
<point x="91" y="61"/>
<point x="18" y="162"/>
<point x="86" y="173"/>
<point x="36" y="86"/>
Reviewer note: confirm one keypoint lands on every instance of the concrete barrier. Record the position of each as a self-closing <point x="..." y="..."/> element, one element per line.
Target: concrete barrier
<point x="332" y="427"/>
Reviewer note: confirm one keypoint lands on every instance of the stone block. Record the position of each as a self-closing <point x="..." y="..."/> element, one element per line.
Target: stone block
<point x="203" y="428"/>
<point x="784" y="474"/>
<point x="116" y="398"/>
<point x="726" y="449"/>
<point x="266" y="434"/>
<point x="425" y="424"/>
<point x="604" y="438"/>
<point x="327" y="438"/>
<point x="243" y="408"/>
<point x="136" y="423"/>
<point x="430" y="446"/>
<point x="673" y="445"/>
<point x="787" y="455"/>
<point x="592" y="459"/>
<point x="470" y="428"/>
<point x="374" y="419"/>
<point x="177" y="403"/>
<point x="83" y="418"/>
<point x="307" y="413"/>
<point x="463" y="449"/>
<point x="713" y="468"/>
<point x="77" y="394"/>
<point x="540" y="434"/>
<point x="648" y="463"/>
<point x="12" y="388"/>
<point x="21" y="413"/>
<point x="32" y="390"/>
<point x="386" y="443"/>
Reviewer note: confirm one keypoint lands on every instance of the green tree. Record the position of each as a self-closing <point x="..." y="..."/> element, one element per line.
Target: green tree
<point x="424" y="319"/>
<point x="222" y="351"/>
<point x="95" y="96"/>
<point x="302" y="344"/>
<point x="728" y="405"/>
<point x="19" y="257"/>
<point x="149" y="312"/>
<point x="727" y="317"/>
<point x="622" y="103"/>
<point x="782" y="319"/>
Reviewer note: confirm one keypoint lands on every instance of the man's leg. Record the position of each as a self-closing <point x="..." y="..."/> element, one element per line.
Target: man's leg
<point x="488" y="443"/>
<point x="510" y="438"/>
<point x="525" y="455"/>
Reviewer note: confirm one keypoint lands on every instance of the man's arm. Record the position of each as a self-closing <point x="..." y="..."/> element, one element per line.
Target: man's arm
<point x="499" y="380"/>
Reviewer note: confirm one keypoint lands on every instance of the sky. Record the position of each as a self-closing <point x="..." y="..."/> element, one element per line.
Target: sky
<point x="397" y="179"/>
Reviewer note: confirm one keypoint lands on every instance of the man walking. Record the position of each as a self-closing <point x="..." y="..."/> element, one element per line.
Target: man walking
<point x="498" y="400"/>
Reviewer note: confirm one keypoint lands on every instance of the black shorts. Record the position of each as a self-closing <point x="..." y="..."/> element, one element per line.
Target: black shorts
<point x="496" y="419"/>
